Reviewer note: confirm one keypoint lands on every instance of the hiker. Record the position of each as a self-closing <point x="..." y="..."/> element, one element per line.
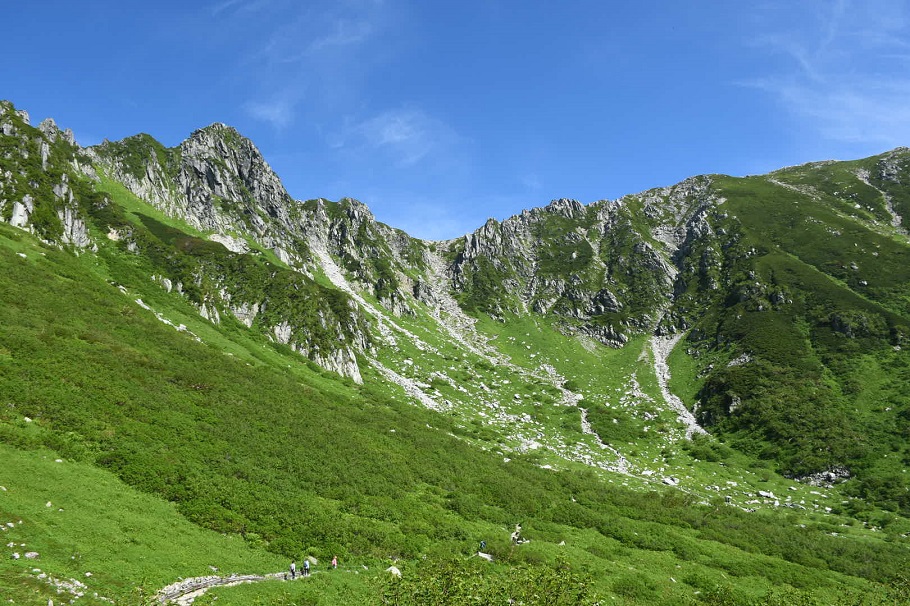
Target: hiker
<point x="334" y="561"/>
<point x="293" y="569"/>
<point x="306" y="568"/>
<point x="516" y="536"/>
<point x="483" y="545"/>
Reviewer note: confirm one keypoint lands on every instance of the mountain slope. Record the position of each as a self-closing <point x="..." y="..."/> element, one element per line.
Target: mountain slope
<point x="179" y="320"/>
<point x="659" y="260"/>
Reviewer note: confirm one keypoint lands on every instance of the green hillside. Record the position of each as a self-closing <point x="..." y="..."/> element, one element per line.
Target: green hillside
<point x="249" y="442"/>
<point x="196" y="382"/>
<point x="815" y="307"/>
<point x="97" y="539"/>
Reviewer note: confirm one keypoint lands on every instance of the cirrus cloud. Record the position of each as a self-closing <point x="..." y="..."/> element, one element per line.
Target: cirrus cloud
<point x="846" y="71"/>
<point x="405" y="136"/>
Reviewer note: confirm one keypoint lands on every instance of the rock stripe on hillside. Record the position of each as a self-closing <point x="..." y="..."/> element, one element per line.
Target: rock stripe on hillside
<point x="896" y="219"/>
<point x="183" y="592"/>
<point x="661" y="346"/>
<point x="622" y="464"/>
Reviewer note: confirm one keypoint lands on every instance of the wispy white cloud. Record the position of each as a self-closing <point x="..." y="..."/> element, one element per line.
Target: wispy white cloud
<point x="848" y="69"/>
<point x="406" y="136"/>
<point x="228" y="6"/>
<point x="345" y="32"/>
<point x="220" y="7"/>
<point x="287" y="51"/>
<point x="279" y="112"/>
<point x="303" y="36"/>
<point x="859" y="111"/>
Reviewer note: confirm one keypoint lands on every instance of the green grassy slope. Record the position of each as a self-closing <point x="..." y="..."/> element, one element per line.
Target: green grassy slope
<point x="96" y="538"/>
<point x="796" y="360"/>
<point x="798" y="352"/>
<point x="246" y="439"/>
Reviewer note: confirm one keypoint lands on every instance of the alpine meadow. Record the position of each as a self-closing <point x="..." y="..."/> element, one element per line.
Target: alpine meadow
<point x="697" y="394"/>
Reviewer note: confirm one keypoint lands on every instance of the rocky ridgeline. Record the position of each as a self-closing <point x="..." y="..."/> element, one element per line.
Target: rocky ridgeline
<point x="608" y="269"/>
<point x="36" y="170"/>
<point x="379" y="260"/>
<point x="217" y="181"/>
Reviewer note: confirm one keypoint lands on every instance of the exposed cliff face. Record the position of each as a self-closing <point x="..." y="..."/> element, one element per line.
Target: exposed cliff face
<point x="37" y="166"/>
<point x="381" y="261"/>
<point x="216" y="181"/>
<point x="607" y="269"/>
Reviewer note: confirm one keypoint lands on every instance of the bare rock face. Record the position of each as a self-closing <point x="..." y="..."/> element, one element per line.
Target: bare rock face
<point x="49" y="128"/>
<point x="74" y="230"/>
<point x="39" y="183"/>
<point x="231" y="243"/>
<point x="827" y="478"/>
<point x="21" y="212"/>
<point x="219" y="165"/>
<point x="217" y="181"/>
<point x="608" y="269"/>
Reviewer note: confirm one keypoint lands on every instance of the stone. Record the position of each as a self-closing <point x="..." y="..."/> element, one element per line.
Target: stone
<point x="22" y="212"/>
<point x="231" y="243"/>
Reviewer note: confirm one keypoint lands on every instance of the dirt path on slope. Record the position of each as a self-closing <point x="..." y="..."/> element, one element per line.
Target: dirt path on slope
<point x="185" y="591"/>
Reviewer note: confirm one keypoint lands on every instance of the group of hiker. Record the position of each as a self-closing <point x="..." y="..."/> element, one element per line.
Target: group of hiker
<point x="305" y="570"/>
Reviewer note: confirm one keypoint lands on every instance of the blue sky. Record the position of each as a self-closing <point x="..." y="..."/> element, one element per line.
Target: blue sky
<point x="439" y="115"/>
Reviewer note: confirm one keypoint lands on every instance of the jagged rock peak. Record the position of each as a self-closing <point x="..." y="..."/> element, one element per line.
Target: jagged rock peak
<point x="48" y="126"/>
<point x="217" y="129"/>
<point x="217" y="155"/>
<point x="50" y="130"/>
<point x="142" y="143"/>
<point x="486" y="238"/>
<point x="356" y="210"/>
<point x="221" y="138"/>
<point x="241" y="156"/>
<point x="7" y="106"/>
<point x="565" y="207"/>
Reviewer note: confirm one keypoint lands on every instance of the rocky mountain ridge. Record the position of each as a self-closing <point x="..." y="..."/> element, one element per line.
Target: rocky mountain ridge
<point x="758" y="272"/>
<point x="218" y="182"/>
